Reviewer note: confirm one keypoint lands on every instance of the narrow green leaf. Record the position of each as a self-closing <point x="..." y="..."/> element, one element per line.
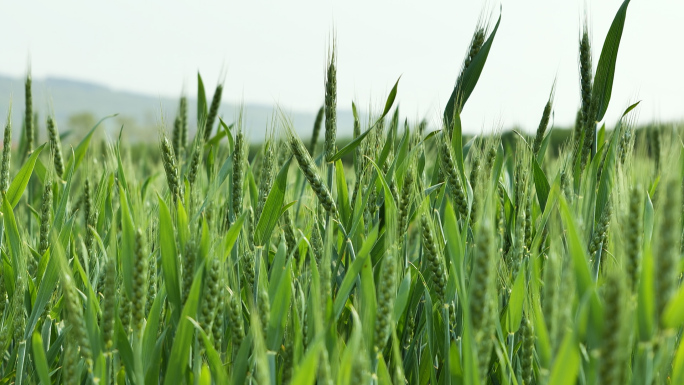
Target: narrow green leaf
<point x="383" y="373"/>
<point x="649" y="218"/>
<point x="271" y="212"/>
<point x="218" y="373"/>
<point x="390" y="98"/>
<point x="305" y="373"/>
<point x="100" y="374"/>
<point x="630" y="108"/>
<point x="498" y="165"/>
<point x="514" y="310"/>
<point x="467" y="83"/>
<point x="152" y="373"/>
<point x="214" y="141"/>
<point x="673" y="316"/>
<point x="453" y="246"/>
<point x="601" y="137"/>
<point x="47" y="283"/>
<point x="241" y="361"/>
<point x="201" y="102"/>
<point x="351" y="146"/>
<point x="646" y="297"/>
<point x="390" y="206"/>
<point x="566" y="365"/>
<point x="182" y="224"/>
<point x="39" y="359"/>
<point x="400" y="163"/>
<point x="169" y="257"/>
<point x="551" y="203"/>
<point x="280" y="305"/>
<point x="233" y="233"/>
<point x="16" y="189"/>
<point x="402" y="296"/>
<point x="542" y="335"/>
<point x="678" y="365"/>
<point x="605" y="70"/>
<point x="61" y="209"/>
<point x="21" y="358"/>
<point x="577" y="250"/>
<point x="457" y="145"/>
<point x="124" y="348"/>
<point x="280" y="260"/>
<point x="353" y="273"/>
<point x="342" y="193"/>
<point x="544" y="145"/>
<point x="214" y="188"/>
<point x="606" y="183"/>
<point x="367" y="304"/>
<point x="15" y="242"/>
<point x="180" y="351"/>
<point x="226" y="129"/>
<point x="541" y="184"/>
<point x="82" y="148"/>
<point x="40" y="170"/>
<point x="127" y="244"/>
<point x="432" y="189"/>
<point x="152" y="329"/>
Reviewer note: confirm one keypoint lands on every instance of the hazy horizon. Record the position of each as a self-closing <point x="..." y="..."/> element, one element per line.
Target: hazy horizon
<point x="275" y="54"/>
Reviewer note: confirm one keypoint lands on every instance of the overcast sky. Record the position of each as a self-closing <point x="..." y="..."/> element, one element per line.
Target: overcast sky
<point x="275" y="52"/>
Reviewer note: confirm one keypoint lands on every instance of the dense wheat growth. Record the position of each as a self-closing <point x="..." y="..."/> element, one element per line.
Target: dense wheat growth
<point x="407" y="256"/>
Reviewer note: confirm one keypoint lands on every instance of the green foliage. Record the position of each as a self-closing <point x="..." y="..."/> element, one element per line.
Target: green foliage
<point x="419" y="257"/>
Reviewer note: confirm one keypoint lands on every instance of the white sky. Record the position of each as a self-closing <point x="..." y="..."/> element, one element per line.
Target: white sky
<point x="275" y="51"/>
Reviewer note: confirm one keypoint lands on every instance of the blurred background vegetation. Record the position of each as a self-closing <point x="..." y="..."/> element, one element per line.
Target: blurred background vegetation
<point x="77" y="106"/>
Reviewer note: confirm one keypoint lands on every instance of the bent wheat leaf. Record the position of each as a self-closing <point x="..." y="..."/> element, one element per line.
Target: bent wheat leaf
<point x="16" y="189"/>
<point x="467" y="84"/>
<point x="180" y="351"/>
<point x="355" y="143"/>
<point x="566" y="366"/>
<point x="39" y="359"/>
<point x="541" y="184"/>
<point x="605" y="71"/>
<point x="272" y="209"/>
<point x="201" y="102"/>
<point x="169" y="259"/>
<point x="82" y="148"/>
<point x="218" y="373"/>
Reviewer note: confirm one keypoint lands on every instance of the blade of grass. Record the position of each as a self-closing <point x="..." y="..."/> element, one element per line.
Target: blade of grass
<point x="39" y="359"/>
<point x="465" y="87"/>
<point x="180" y="350"/>
<point x="272" y="209"/>
<point x="169" y="258"/>
<point x="605" y="70"/>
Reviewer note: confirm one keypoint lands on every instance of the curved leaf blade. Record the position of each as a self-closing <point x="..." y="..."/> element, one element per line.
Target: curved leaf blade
<point x="82" y="148"/>
<point x="541" y="184"/>
<point x="390" y="98"/>
<point x="180" y="351"/>
<point x="355" y="143"/>
<point x="215" y="365"/>
<point x="201" y="102"/>
<point x="167" y="241"/>
<point x="566" y="366"/>
<point x="272" y="208"/>
<point x="39" y="359"/>
<point x="470" y="77"/>
<point x="127" y="244"/>
<point x="20" y="181"/>
<point x="605" y="71"/>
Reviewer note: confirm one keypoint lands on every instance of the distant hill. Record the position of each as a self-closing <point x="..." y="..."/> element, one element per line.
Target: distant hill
<point x="139" y="113"/>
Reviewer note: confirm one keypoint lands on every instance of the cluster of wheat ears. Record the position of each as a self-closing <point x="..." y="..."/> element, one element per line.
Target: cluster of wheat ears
<point x="406" y="256"/>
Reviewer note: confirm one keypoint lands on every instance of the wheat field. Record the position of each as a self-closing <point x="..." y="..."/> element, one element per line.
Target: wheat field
<point x="406" y="256"/>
